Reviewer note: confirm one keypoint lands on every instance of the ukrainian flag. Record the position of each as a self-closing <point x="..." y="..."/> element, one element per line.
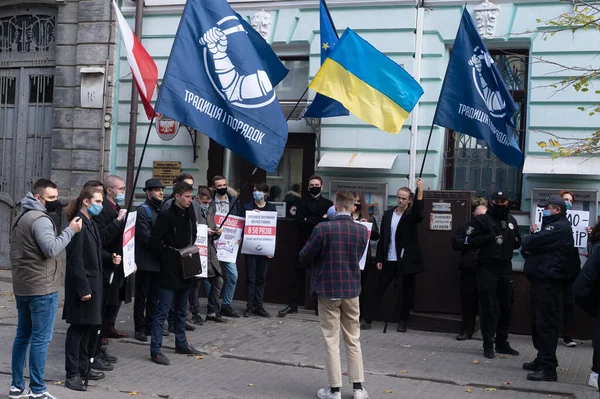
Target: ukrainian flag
<point x="367" y="83"/>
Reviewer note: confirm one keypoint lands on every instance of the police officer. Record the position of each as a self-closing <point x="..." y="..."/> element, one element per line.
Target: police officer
<point x="550" y="255"/>
<point x="496" y="234"/>
<point x="469" y="296"/>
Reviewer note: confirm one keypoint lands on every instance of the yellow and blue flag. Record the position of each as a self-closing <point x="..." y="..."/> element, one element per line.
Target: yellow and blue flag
<point x="367" y="83"/>
<point x="322" y="106"/>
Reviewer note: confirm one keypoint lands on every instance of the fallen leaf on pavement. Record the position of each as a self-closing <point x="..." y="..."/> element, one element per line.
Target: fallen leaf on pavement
<point x="133" y="393"/>
<point x="433" y="353"/>
<point x="476" y="361"/>
<point x="490" y="389"/>
<point x="507" y="383"/>
<point x="405" y="346"/>
<point x="250" y="385"/>
<point x="562" y="369"/>
<point x="199" y="357"/>
<point x="504" y="357"/>
<point x="3" y="306"/>
<point x="468" y="390"/>
<point x="58" y="383"/>
<point x="388" y="391"/>
<point x="404" y="371"/>
<point x="487" y="362"/>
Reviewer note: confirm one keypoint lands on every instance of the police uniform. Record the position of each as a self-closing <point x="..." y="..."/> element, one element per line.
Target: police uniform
<point x="496" y="235"/>
<point x="550" y="256"/>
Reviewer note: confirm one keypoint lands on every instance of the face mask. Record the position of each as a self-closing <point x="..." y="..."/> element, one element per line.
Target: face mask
<point x="222" y="191"/>
<point x="52" y="206"/>
<point x="357" y="207"/>
<point x="259" y="195"/>
<point x="95" y="209"/>
<point x="499" y="211"/>
<point x="569" y="205"/>
<point x="120" y="197"/>
<point x="546" y="213"/>
<point x="204" y="207"/>
<point x="315" y="191"/>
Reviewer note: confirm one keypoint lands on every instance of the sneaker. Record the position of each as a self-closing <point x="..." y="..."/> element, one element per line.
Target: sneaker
<point x="361" y="394"/>
<point x="249" y="311"/>
<point x="18" y="393"/>
<point x="593" y="380"/>
<point x="43" y="395"/>
<point x="327" y="394"/>
<point x="228" y="311"/>
<point x="568" y="341"/>
<point x="216" y="318"/>
<point x="159" y="358"/>
<point x="197" y="319"/>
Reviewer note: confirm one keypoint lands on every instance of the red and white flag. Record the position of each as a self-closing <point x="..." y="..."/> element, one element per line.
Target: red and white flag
<point x="143" y="68"/>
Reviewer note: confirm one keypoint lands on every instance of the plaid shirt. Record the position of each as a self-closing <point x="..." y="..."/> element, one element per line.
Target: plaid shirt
<point x="335" y="248"/>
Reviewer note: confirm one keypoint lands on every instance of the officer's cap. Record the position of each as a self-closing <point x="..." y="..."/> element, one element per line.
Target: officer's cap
<point x="553" y="200"/>
<point x="498" y="195"/>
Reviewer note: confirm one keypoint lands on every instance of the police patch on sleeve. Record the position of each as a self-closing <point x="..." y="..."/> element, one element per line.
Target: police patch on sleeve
<point x="549" y="228"/>
<point x="470" y="230"/>
<point x="511" y="226"/>
<point x="499" y="240"/>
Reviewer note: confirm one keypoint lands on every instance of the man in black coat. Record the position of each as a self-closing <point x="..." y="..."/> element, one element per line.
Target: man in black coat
<point x="147" y="277"/>
<point x="398" y="254"/>
<point x="175" y="229"/>
<point x="496" y="235"/>
<point x="549" y="258"/>
<point x="469" y="295"/>
<point x="309" y="212"/>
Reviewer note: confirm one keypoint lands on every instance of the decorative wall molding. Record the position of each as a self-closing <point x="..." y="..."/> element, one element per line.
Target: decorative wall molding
<point x="262" y="22"/>
<point x="486" y="15"/>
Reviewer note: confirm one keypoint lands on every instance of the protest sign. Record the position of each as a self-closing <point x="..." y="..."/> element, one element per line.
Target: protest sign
<point x="228" y="244"/>
<point x="129" y="244"/>
<point x="202" y="243"/>
<point x="579" y="221"/>
<point x="260" y="233"/>
<point x="363" y="260"/>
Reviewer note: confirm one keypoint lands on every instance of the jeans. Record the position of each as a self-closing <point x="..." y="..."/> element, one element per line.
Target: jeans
<point x="231" y="278"/>
<point x="256" y="276"/>
<point x="215" y="285"/>
<point x="167" y="297"/>
<point x="36" y="316"/>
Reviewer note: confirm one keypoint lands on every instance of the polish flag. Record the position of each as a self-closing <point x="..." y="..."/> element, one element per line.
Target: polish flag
<point x="143" y="68"/>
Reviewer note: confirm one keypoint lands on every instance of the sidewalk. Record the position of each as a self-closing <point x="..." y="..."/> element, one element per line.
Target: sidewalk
<point x="284" y="358"/>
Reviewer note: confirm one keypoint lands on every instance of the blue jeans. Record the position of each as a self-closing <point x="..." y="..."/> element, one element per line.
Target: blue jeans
<point x="36" y="316"/>
<point x="180" y="300"/>
<point x="231" y="278"/>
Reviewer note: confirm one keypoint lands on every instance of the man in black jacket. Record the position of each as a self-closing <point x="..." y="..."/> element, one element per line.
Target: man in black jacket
<point x="549" y="258"/>
<point x="496" y="235"/>
<point x="175" y="229"/>
<point x="310" y="212"/>
<point x="469" y="295"/>
<point x="147" y="277"/>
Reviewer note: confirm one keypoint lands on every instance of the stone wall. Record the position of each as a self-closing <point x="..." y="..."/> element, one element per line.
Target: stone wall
<point x="86" y="37"/>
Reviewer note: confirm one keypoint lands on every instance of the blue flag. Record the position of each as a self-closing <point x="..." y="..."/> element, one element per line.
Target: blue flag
<point x="217" y="81"/>
<point x="474" y="99"/>
<point x="323" y="106"/>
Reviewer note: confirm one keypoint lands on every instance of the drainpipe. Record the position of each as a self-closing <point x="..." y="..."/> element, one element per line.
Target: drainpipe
<point x="104" y="121"/>
<point x="133" y="113"/>
<point x="414" y="128"/>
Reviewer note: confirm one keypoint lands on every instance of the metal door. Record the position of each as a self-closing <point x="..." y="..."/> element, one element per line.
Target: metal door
<point x="26" y="117"/>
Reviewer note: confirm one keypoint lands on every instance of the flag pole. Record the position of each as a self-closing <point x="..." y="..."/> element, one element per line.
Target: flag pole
<point x="296" y="106"/>
<point x="237" y="198"/>
<point x="414" y="129"/>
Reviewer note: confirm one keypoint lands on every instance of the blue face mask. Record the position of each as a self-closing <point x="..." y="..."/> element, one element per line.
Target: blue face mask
<point x="568" y="205"/>
<point x="204" y="207"/>
<point x="95" y="209"/>
<point x="259" y="195"/>
<point x="546" y="213"/>
<point x="120" y="197"/>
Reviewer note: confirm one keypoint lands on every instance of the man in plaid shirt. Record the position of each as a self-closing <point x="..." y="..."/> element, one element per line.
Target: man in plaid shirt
<point x="335" y="249"/>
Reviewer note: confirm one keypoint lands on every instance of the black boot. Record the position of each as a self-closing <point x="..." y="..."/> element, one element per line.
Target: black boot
<point x="75" y="383"/>
<point x="288" y="310"/>
<point x="401" y="326"/>
<point x="543" y="375"/>
<point x="531" y="366"/>
<point x="488" y="353"/>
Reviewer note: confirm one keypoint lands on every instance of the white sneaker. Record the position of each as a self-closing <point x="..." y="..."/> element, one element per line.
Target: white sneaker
<point x="18" y="393"/>
<point x="361" y="394"/>
<point x="327" y="394"/>
<point x="593" y="380"/>
<point x="45" y="395"/>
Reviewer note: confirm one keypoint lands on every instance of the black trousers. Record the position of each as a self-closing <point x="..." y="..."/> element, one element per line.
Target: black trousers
<point x="298" y="286"/>
<point x="213" y="295"/>
<point x="362" y="299"/>
<point x="545" y="307"/>
<point x="256" y="275"/>
<point x="469" y="300"/>
<point x="79" y="344"/>
<point x="147" y="288"/>
<point x="496" y="300"/>
<point x="568" y="308"/>
<point x="406" y="295"/>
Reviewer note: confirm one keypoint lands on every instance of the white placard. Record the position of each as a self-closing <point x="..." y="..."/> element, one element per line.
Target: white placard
<point x="440" y="221"/>
<point x="260" y="233"/>
<point x="579" y="221"/>
<point x="129" y="244"/>
<point x="363" y="260"/>
<point x="228" y="244"/>
<point x="202" y="243"/>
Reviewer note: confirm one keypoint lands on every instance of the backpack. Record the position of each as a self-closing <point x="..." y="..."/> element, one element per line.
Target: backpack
<point x="148" y="213"/>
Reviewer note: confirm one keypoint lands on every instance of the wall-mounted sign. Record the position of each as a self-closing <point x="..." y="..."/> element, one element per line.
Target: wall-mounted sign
<point x="375" y="193"/>
<point x="440" y="221"/>
<point x="166" y="171"/>
<point x="166" y="128"/>
<point x="281" y="209"/>
<point x="441" y="207"/>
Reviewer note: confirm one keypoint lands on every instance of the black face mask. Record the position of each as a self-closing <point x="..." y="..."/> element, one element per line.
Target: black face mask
<point x="222" y="191"/>
<point x="52" y="206"/>
<point x="499" y="211"/>
<point x="357" y="207"/>
<point x="315" y="191"/>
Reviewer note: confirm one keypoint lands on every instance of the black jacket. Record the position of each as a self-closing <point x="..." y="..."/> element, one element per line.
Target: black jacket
<point x="586" y="288"/>
<point x="144" y="257"/>
<point x="406" y="238"/>
<point x="550" y="254"/>
<point x="175" y="229"/>
<point x="83" y="275"/>
<point x="496" y="240"/>
<point x="309" y="213"/>
<point x="111" y="235"/>
<point x="468" y="254"/>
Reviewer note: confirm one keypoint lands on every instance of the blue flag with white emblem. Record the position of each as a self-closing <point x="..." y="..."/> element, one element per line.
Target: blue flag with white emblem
<point x="323" y="106"/>
<point x="474" y="99"/>
<point x="217" y="83"/>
